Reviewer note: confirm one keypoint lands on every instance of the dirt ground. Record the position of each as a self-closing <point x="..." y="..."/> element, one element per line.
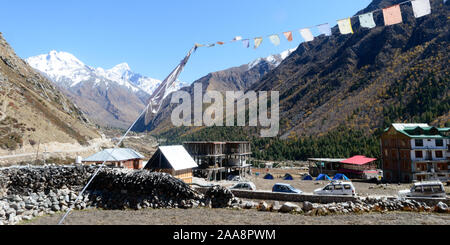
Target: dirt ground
<point x="362" y="188"/>
<point x="205" y="216"/>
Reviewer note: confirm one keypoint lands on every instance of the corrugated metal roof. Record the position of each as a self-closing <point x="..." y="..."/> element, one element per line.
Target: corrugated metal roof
<point x="178" y="157"/>
<point x="326" y="159"/>
<point x="358" y="160"/>
<point x="408" y="130"/>
<point x="113" y="155"/>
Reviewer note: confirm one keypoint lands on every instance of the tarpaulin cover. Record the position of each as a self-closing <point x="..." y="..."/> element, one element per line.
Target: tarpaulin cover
<point x="308" y="177"/>
<point x="268" y="176"/>
<point x="323" y="177"/>
<point x="340" y="176"/>
<point x="288" y="177"/>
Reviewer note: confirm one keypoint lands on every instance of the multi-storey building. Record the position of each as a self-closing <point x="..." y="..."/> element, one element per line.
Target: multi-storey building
<point x="415" y="152"/>
<point x="217" y="160"/>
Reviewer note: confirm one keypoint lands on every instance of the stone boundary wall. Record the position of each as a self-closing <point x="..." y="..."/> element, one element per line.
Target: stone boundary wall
<point x="288" y="197"/>
<point x="323" y="199"/>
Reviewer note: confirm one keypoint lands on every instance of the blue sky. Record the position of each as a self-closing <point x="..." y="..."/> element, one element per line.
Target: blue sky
<point x="153" y="36"/>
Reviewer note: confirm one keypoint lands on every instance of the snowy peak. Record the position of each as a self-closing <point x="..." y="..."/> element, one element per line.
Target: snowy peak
<point x="68" y="71"/>
<point x="120" y="69"/>
<point x="274" y="60"/>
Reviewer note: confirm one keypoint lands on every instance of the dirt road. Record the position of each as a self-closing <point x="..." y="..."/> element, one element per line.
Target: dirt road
<point x="205" y="216"/>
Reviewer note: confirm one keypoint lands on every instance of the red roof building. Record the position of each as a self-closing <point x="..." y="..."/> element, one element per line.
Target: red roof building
<point x="359" y="167"/>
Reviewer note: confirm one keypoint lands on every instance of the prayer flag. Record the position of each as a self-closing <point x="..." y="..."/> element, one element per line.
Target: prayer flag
<point x="345" y="26"/>
<point x="220" y="43"/>
<point x="392" y="15"/>
<point x="306" y="34"/>
<point x="275" y="39"/>
<point x="421" y="8"/>
<point x="157" y="97"/>
<point x="258" y="42"/>
<point x="366" y="20"/>
<point x="288" y="35"/>
<point x="324" y="29"/>
<point x="237" y="38"/>
<point x="246" y="43"/>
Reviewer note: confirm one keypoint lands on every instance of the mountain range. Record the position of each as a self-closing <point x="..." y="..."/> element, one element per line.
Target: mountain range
<point x="362" y="81"/>
<point x="238" y="78"/>
<point x="33" y="110"/>
<point x="116" y="96"/>
<point x="112" y="97"/>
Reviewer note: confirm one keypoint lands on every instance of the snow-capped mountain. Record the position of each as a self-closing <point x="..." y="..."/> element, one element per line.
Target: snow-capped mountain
<point x="68" y="71"/>
<point x="274" y="60"/>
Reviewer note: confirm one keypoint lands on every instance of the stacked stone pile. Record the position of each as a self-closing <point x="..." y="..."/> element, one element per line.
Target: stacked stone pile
<point x="220" y="197"/>
<point x="27" y="192"/>
<point x="121" y="188"/>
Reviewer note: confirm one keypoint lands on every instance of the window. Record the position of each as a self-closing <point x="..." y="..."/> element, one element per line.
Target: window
<point x="419" y="154"/>
<point x="439" y="142"/>
<point x="418" y="189"/>
<point x="418" y="142"/>
<point x="328" y="188"/>
<point x="438" y="154"/>
<point x="437" y="188"/>
<point x="338" y="187"/>
<point x="427" y="188"/>
<point x="347" y="187"/>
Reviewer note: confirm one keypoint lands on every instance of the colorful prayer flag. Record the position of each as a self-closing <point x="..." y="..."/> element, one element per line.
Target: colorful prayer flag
<point x="392" y="15"/>
<point x="288" y="35"/>
<point x="275" y="39"/>
<point x="307" y="35"/>
<point x="345" y="26"/>
<point x="366" y="20"/>
<point x="246" y="43"/>
<point x="258" y="42"/>
<point x="220" y="43"/>
<point x="324" y="29"/>
<point x="421" y="8"/>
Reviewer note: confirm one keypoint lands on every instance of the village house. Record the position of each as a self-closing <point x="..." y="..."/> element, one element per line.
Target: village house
<point x="356" y="167"/>
<point x="415" y="152"/>
<point x="118" y="157"/>
<point x="174" y="160"/>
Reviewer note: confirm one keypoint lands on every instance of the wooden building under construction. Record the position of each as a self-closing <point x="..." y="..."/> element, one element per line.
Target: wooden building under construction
<point x="217" y="160"/>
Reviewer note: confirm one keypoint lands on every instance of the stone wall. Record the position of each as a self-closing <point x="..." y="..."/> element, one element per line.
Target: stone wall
<point x="26" y="192"/>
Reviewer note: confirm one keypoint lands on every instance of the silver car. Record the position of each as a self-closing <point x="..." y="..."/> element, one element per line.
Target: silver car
<point x="425" y="189"/>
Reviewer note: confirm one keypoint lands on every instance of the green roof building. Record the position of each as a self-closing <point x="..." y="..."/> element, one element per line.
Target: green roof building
<point x="415" y="152"/>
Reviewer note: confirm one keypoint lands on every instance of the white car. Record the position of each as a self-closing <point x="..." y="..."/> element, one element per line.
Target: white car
<point x="425" y="189"/>
<point x="337" y="188"/>
<point x="244" y="186"/>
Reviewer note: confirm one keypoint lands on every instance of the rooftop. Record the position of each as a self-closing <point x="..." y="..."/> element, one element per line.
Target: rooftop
<point x="114" y="155"/>
<point x="419" y="130"/>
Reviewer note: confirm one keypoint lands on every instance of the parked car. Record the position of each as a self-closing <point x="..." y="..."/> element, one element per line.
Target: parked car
<point x="244" y="186"/>
<point x="337" y="188"/>
<point x="286" y="188"/>
<point x="424" y="189"/>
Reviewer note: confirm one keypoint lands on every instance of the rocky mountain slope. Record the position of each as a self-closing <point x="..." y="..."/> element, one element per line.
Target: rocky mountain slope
<point x="112" y="97"/>
<point x="362" y="81"/>
<point x="238" y="78"/>
<point x="368" y="79"/>
<point x="33" y="110"/>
